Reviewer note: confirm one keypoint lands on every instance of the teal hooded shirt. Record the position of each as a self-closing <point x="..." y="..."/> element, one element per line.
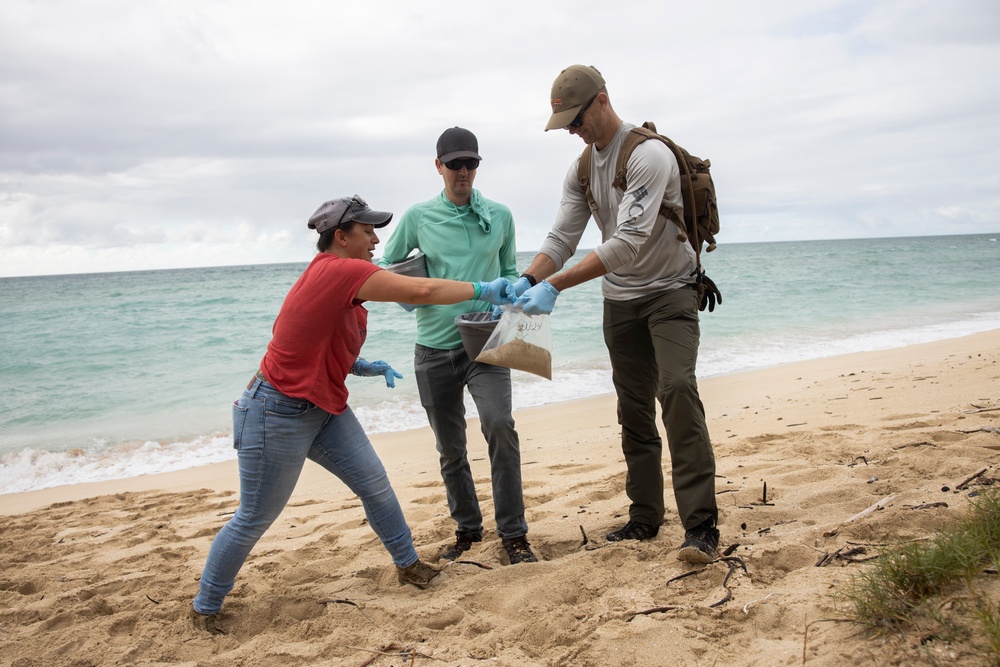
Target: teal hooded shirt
<point x="471" y="243"/>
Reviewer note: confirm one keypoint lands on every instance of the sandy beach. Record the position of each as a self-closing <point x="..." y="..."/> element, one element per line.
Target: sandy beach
<point x="104" y="574"/>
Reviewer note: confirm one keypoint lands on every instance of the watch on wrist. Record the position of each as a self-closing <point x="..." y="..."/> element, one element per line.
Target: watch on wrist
<point x="531" y="279"/>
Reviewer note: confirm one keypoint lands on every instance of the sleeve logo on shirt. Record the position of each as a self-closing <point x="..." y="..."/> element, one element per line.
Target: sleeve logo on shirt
<point x="636" y="209"/>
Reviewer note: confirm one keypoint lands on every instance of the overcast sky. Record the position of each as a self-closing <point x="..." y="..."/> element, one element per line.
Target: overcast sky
<point x="176" y="133"/>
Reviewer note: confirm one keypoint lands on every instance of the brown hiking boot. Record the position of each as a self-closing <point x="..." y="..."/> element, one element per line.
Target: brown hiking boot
<point x="420" y="574"/>
<point x="518" y="550"/>
<point x="207" y="622"/>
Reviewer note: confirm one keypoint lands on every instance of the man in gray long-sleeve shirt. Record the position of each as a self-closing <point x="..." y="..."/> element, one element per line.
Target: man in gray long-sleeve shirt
<point x="651" y="306"/>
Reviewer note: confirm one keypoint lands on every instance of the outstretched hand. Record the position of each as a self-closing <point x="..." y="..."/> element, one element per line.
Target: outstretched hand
<point x="366" y="368"/>
<point x="498" y="292"/>
<point x="521" y="285"/>
<point x="538" y="300"/>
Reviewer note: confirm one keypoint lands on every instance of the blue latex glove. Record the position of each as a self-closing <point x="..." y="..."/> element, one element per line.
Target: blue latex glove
<point x="538" y="300"/>
<point x="498" y="292"/>
<point x="497" y="313"/>
<point x="371" y="369"/>
<point x="521" y="285"/>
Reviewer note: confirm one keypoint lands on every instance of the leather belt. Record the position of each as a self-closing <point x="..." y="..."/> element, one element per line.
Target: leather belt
<point x="258" y="375"/>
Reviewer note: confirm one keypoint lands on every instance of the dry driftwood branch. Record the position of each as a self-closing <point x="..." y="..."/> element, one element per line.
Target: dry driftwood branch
<point x="927" y="506"/>
<point x="763" y="498"/>
<point x="654" y="610"/>
<point x="979" y="408"/>
<point x="877" y="506"/>
<point x="961" y="486"/>
<point x="748" y="605"/>
<point x="392" y="650"/>
<point x="805" y="633"/>
<point x="684" y="575"/>
<point x="353" y="604"/>
<point x="472" y="562"/>
<point x="731" y="562"/>
<point x="850" y="556"/>
<point x="922" y="443"/>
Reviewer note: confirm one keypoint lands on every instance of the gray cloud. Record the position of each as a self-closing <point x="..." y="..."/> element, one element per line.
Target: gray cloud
<point x="162" y="134"/>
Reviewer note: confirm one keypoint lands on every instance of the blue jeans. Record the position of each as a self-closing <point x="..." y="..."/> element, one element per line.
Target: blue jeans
<point x="274" y="434"/>
<point x="442" y="376"/>
<point x="653" y="345"/>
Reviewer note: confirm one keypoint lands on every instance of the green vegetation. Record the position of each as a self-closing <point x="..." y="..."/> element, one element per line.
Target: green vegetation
<point x="937" y="588"/>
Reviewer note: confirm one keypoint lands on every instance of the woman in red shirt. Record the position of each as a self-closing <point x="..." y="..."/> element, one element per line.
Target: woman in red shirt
<point x="295" y="406"/>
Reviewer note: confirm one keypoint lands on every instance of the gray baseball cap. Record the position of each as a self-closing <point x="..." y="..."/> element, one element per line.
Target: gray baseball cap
<point x="346" y="209"/>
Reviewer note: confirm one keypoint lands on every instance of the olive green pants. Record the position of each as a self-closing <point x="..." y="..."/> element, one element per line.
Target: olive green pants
<point x="653" y="344"/>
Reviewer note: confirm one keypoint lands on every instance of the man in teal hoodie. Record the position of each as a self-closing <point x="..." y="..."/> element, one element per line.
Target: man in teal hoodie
<point x="465" y="236"/>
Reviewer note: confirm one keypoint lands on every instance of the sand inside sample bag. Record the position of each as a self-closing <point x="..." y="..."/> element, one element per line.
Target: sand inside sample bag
<point x="521" y="356"/>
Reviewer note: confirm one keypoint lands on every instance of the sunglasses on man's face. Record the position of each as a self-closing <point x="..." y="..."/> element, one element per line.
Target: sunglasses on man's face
<point x="578" y="121"/>
<point x="469" y="163"/>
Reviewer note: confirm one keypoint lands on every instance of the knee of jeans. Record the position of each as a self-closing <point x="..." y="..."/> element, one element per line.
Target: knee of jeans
<point x="501" y="426"/>
<point x="250" y="527"/>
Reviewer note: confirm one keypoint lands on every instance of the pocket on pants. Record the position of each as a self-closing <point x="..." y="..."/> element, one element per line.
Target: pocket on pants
<point x="286" y="407"/>
<point x="239" y="422"/>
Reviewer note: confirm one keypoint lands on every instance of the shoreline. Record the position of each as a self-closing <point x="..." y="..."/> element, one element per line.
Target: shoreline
<point x="718" y="394"/>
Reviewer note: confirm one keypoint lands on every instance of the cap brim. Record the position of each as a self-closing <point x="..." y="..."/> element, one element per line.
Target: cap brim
<point x="448" y="157"/>
<point x="561" y="119"/>
<point x="374" y="218"/>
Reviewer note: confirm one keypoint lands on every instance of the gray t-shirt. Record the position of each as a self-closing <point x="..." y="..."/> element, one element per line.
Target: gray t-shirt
<point x="639" y="248"/>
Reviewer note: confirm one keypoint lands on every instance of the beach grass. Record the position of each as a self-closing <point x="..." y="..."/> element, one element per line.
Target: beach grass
<point x="936" y="588"/>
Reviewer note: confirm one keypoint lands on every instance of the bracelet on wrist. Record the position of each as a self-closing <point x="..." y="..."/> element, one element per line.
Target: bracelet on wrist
<point x="476" y="290"/>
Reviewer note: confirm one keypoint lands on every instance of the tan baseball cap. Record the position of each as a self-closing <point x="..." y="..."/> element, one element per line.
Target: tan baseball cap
<point x="575" y="86"/>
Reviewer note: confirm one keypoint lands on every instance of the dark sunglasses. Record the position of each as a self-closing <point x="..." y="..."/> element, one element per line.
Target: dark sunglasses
<point x="578" y="121"/>
<point x="469" y="163"/>
<point x="356" y="202"/>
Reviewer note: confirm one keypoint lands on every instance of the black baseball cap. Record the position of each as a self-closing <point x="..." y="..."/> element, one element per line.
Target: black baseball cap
<point x="457" y="142"/>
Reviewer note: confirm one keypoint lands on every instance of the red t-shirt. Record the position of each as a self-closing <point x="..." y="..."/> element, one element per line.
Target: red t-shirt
<point x="319" y="332"/>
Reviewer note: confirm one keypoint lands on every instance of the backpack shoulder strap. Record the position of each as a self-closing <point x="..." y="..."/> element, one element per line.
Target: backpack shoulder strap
<point x="636" y="136"/>
<point x="583" y="175"/>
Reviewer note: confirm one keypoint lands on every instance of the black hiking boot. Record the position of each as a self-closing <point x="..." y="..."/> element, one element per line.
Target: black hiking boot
<point x="700" y="543"/>
<point x="633" y="530"/>
<point x="463" y="543"/>
<point x="518" y="550"/>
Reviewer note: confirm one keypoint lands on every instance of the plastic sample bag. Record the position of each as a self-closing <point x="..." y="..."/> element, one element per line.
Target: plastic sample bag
<point x="522" y="342"/>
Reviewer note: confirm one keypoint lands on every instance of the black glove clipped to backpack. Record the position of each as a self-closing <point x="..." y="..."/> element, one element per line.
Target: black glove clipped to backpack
<point x="708" y="292"/>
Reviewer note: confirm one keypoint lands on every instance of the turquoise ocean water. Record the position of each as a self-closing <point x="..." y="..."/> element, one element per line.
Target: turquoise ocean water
<point x="120" y="374"/>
